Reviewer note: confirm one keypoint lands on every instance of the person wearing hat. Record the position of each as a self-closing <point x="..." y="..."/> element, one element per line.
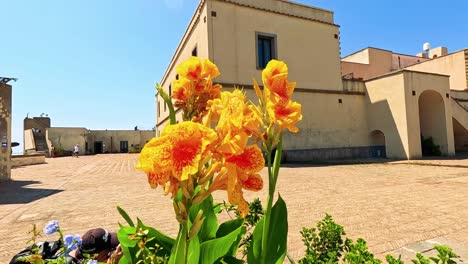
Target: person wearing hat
<point x="100" y="244"/>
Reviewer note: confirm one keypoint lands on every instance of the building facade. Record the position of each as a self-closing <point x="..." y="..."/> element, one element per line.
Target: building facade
<point x="372" y="103"/>
<point x="39" y="136"/>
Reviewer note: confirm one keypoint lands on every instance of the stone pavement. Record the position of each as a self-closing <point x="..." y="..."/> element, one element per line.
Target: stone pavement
<point x="395" y="207"/>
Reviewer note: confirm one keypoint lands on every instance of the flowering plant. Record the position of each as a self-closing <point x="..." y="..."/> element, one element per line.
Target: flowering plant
<point x="51" y="252"/>
<point x="218" y="146"/>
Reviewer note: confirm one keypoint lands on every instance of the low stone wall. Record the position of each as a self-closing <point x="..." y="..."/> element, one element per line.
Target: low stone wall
<point x="323" y="154"/>
<point x="25" y="160"/>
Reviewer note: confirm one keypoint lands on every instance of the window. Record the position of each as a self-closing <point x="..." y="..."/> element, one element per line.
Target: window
<point x="266" y="49"/>
<point x="159" y="109"/>
<point x="177" y="77"/>
<point x="170" y="90"/>
<point x="194" y="52"/>
<point x="123" y="146"/>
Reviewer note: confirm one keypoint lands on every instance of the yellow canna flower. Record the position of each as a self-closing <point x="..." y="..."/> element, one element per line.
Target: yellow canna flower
<point x="280" y="110"/>
<point x="176" y="154"/>
<point x="285" y="114"/>
<point x="190" y="69"/>
<point x="195" y="87"/>
<point x="182" y="90"/>
<point x="274" y="70"/>
<point x="241" y="173"/>
<point x="236" y="120"/>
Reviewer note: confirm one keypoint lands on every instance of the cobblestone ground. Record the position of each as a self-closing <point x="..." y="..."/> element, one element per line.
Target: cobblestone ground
<point x="391" y="206"/>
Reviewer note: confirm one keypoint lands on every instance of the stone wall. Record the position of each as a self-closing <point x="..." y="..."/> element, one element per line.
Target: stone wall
<point x="324" y="154"/>
<point x="25" y="160"/>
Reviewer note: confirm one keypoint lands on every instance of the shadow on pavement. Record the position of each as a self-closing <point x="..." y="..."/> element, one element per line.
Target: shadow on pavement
<point x="16" y="192"/>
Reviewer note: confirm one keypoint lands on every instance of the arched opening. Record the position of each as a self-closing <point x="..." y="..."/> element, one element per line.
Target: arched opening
<point x="377" y="144"/>
<point x="460" y="136"/>
<point x="432" y="124"/>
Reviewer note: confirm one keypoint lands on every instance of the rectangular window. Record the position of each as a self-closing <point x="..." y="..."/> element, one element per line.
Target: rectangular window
<point x="266" y="49"/>
<point x="123" y="146"/>
<point x="194" y="52"/>
<point x="170" y="90"/>
<point x="159" y="109"/>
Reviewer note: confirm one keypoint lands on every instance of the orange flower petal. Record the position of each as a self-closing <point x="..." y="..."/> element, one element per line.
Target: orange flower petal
<point x="274" y="69"/>
<point x="251" y="160"/>
<point x="253" y="182"/>
<point x="210" y="70"/>
<point x="190" y="69"/>
<point x="286" y="115"/>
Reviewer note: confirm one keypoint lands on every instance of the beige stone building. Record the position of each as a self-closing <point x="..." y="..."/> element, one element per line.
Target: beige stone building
<point x="39" y="136"/>
<point x="372" y="103"/>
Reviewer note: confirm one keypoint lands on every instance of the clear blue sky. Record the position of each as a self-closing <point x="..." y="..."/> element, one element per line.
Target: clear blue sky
<point x="93" y="63"/>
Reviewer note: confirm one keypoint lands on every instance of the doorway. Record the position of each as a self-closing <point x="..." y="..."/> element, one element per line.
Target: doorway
<point x="377" y="144"/>
<point x="432" y="124"/>
<point x="123" y="146"/>
<point x="98" y="147"/>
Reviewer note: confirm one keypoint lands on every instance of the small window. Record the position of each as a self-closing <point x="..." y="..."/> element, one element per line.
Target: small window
<point x="159" y="109"/>
<point x="165" y="106"/>
<point x="194" y="52"/>
<point x="266" y="49"/>
<point x="170" y="90"/>
<point x="177" y="77"/>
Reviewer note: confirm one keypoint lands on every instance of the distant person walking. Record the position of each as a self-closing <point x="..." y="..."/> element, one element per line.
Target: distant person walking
<point x="52" y="151"/>
<point x="76" y="151"/>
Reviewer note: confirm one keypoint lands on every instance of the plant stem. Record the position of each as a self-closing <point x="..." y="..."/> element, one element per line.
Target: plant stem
<point x="266" y="223"/>
<point x="272" y="178"/>
<point x="187" y="242"/>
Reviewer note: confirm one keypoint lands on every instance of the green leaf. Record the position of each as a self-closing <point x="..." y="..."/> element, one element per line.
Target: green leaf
<point x="194" y="251"/>
<point x="178" y="250"/>
<point x="255" y="248"/>
<point x="228" y="227"/>
<point x="214" y="249"/>
<point x="217" y="208"/>
<point x="278" y="232"/>
<point x="156" y="237"/>
<point x="124" y="260"/>
<point x="123" y="236"/>
<point x="278" y="235"/>
<point x="168" y="101"/>
<point x="125" y="216"/>
<point x="129" y="247"/>
<point x="231" y="260"/>
<point x="210" y="222"/>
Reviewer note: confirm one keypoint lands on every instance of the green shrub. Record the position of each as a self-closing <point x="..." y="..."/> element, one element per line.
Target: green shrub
<point x="429" y="148"/>
<point x="324" y="244"/>
<point x="358" y="253"/>
<point x="445" y="255"/>
<point x="251" y="219"/>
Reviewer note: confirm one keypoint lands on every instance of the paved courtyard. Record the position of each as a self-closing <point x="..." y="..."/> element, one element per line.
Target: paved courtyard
<point x="396" y="207"/>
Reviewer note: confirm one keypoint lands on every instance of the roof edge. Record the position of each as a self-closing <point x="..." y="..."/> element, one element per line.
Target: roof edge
<point x="188" y="31"/>
<point x="403" y="71"/>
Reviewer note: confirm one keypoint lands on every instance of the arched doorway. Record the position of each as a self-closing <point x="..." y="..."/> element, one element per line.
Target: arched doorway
<point x="432" y="124"/>
<point x="377" y="144"/>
